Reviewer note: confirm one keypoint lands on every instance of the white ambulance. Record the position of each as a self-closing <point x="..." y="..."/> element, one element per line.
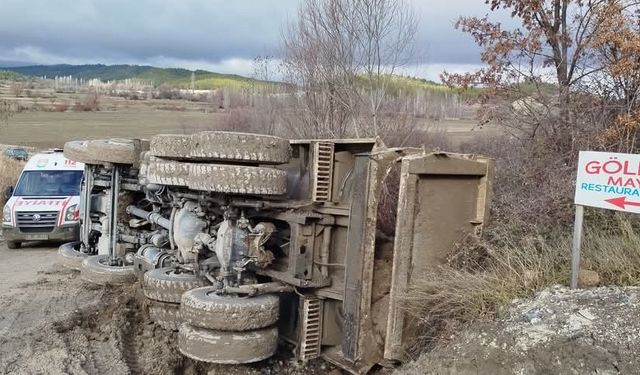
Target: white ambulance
<point x="44" y="205"/>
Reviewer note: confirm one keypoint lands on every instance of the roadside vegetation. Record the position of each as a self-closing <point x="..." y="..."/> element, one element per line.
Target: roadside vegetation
<point x="9" y="172"/>
<point x="579" y="92"/>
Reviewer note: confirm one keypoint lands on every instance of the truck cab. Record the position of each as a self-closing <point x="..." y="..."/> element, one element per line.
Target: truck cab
<point x="43" y="206"/>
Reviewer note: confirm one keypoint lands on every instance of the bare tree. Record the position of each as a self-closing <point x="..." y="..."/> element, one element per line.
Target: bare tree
<point x="542" y="63"/>
<point x="17" y="88"/>
<point x="385" y="43"/>
<point x="264" y="96"/>
<point x="342" y="54"/>
<point x="7" y="111"/>
<point x="263" y="68"/>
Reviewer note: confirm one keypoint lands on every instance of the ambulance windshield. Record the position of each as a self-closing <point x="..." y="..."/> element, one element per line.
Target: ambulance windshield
<point x="49" y="184"/>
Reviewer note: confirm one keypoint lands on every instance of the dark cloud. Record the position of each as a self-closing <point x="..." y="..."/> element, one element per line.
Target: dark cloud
<point x="189" y="29"/>
<point x="219" y="34"/>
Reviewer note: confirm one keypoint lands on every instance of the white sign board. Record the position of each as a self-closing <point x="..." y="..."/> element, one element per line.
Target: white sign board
<point x="608" y="180"/>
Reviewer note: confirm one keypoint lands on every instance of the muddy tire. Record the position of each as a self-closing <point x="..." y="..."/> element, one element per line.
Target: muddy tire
<point x="165" y="285"/>
<point x="71" y="258"/>
<point x="203" y="308"/>
<point x="237" y="179"/>
<point x="79" y="151"/>
<point x="96" y="269"/>
<point x="102" y="151"/>
<point x="222" y="146"/>
<point x="165" y="315"/>
<point x="227" y="347"/>
<point x="172" y="146"/>
<point x="164" y="172"/>
<point x="14" y="244"/>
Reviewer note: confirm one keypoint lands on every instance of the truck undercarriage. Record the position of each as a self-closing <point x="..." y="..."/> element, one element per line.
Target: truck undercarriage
<point x="241" y="241"/>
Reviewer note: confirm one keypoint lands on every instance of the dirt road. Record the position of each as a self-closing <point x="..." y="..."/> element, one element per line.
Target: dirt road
<point x="51" y="322"/>
<point x="45" y="318"/>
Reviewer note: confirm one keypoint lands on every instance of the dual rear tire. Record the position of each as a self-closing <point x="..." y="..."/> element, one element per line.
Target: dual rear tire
<point x="228" y="329"/>
<point x="164" y="287"/>
<point x="227" y="347"/>
<point x="198" y="161"/>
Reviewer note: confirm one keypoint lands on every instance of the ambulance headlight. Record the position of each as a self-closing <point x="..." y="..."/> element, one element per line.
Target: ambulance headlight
<point x="72" y="213"/>
<point x="6" y="214"/>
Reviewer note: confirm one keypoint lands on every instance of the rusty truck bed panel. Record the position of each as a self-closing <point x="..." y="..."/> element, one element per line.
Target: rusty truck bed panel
<point x="442" y="199"/>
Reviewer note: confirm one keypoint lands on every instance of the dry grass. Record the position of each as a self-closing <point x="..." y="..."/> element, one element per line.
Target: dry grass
<point x="614" y="252"/>
<point x="9" y="173"/>
<point x="481" y="277"/>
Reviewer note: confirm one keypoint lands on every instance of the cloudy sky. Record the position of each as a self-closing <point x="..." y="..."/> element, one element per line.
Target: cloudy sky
<point x="217" y="35"/>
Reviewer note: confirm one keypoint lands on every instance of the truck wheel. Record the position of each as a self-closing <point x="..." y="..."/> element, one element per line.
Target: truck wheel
<point x="165" y="285"/>
<point x="164" y="172"/>
<point x="171" y="146"/>
<point x="14" y="244"/>
<point x="227" y="347"/>
<point x="219" y="178"/>
<point x="96" y="269"/>
<point x="71" y="257"/>
<point x="165" y="315"/>
<point x="222" y="146"/>
<point x="237" y="179"/>
<point x="79" y="151"/>
<point x="101" y="151"/>
<point x="202" y="307"/>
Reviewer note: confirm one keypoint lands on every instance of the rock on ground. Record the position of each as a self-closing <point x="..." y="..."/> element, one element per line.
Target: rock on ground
<point x="559" y="331"/>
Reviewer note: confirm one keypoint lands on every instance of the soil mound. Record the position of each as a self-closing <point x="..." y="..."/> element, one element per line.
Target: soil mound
<point x="559" y="331"/>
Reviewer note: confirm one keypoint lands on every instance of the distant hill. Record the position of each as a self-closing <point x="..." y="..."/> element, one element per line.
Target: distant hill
<point x="157" y="76"/>
<point x="181" y="78"/>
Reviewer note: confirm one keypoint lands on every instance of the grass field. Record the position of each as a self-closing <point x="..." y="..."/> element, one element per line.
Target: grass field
<point x="39" y="124"/>
<point x="52" y="129"/>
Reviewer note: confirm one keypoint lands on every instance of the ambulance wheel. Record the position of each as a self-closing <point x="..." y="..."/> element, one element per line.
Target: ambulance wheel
<point x="14" y="244"/>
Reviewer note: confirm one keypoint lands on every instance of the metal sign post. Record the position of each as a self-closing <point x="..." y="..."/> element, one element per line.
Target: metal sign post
<point x="575" y="250"/>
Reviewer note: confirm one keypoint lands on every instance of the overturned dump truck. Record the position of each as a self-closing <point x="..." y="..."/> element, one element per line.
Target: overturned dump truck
<point x="242" y="241"/>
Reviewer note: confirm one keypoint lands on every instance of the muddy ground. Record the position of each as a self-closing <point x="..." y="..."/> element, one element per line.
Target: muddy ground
<point x="558" y="331"/>
<point x="51" y="322"/>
